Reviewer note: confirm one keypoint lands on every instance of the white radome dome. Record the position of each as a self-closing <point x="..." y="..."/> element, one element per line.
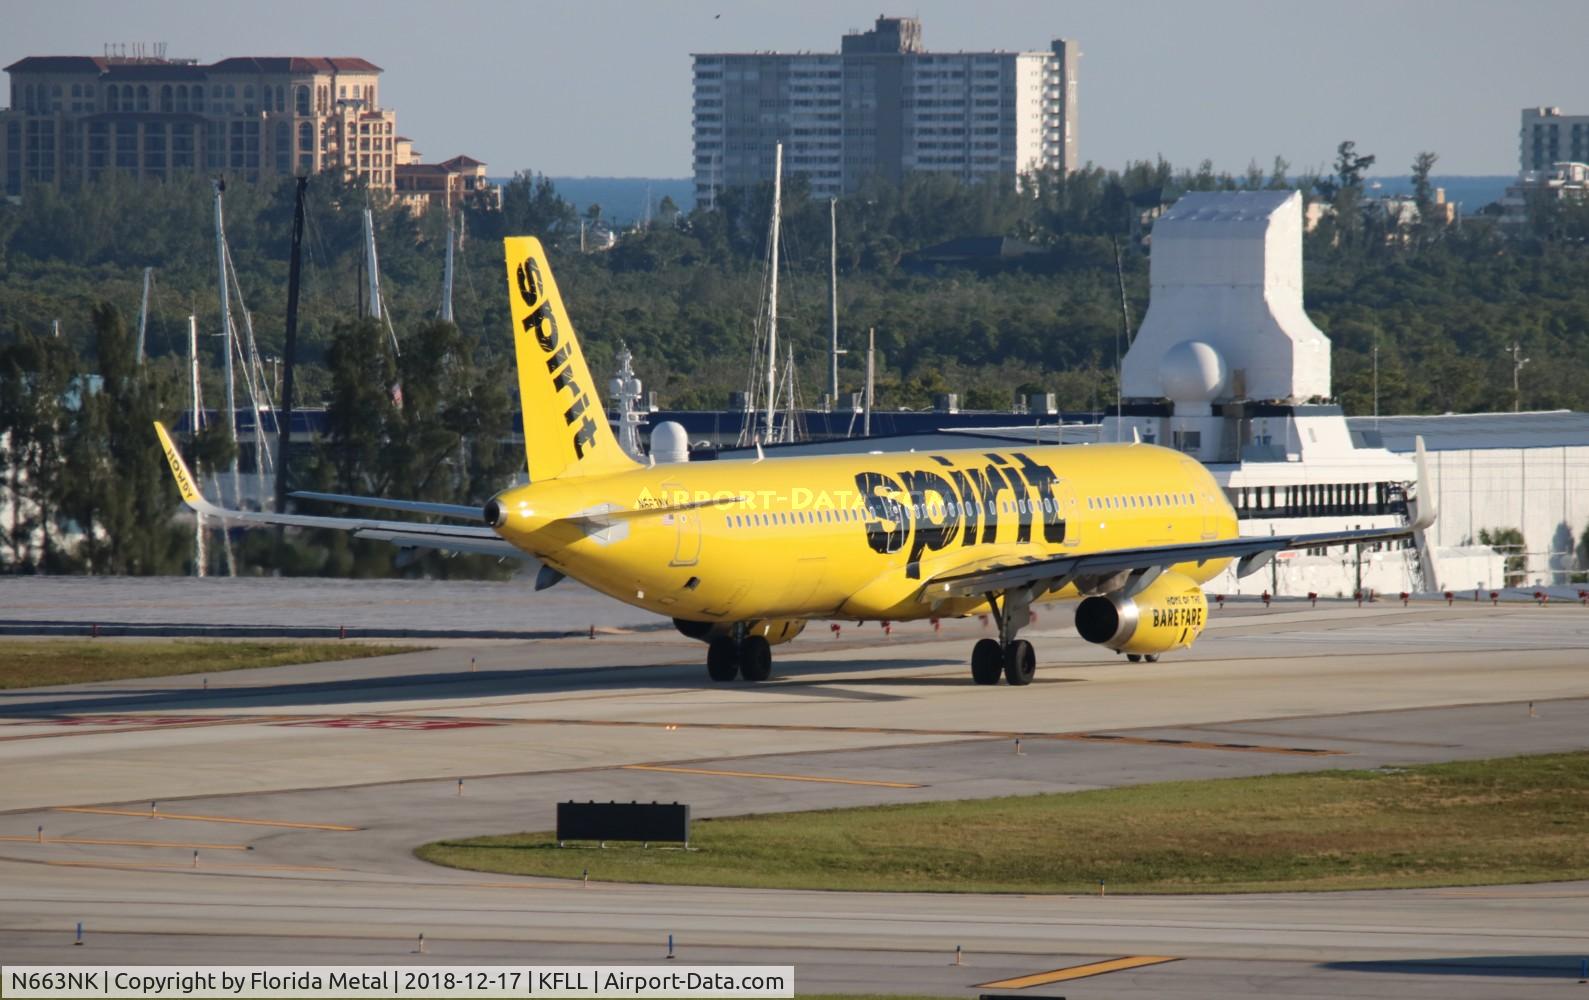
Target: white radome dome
<point x="669" y="442"/>
<point x="1192" y="372"/>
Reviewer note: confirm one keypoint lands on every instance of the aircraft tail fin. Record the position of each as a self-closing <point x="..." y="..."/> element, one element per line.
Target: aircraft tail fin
<point x="565" y="427"/>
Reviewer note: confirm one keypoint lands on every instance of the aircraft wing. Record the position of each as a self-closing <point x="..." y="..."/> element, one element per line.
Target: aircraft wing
<point x="461" y="510"/>
<point x="478" y="539"/>
<point x="1145" y="563"/>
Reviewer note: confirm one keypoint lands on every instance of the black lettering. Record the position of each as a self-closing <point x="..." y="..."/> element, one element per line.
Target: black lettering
<point x="988" y="485"/>
<point x="970" y="506"/>
<point x="529" y="275"/>
<point x="936" y="528"/>
<point x="1023" y="502"/>
<point x="557" y="360"/>
<point x="564" y="379"/>
<point x="875" y="488"/>
<point x="574" y="412"/>
<point x="1043" y="479"/>
<point x="547" y="333"/>
<point x="585" y="436"/>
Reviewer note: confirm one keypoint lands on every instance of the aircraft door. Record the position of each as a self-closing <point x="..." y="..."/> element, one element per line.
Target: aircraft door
<point x="687" y="530"/>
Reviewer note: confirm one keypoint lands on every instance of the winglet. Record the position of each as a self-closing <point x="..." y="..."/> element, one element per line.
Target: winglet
<point x="179" y="470"/>
<point x="1425" y="511"/>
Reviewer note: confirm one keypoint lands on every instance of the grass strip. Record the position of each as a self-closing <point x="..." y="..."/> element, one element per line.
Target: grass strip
<point x="1508" y="820"/>
<point x="36" y="663"/>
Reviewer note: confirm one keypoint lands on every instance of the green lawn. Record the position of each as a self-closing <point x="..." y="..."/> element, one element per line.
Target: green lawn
<point x="1518" y="819"/>
<point x="34" y="663"/>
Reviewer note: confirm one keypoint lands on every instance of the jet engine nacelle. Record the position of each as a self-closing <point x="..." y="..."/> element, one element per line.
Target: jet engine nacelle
<point x="774" y="630"/>
<point x="1169" y="614"/>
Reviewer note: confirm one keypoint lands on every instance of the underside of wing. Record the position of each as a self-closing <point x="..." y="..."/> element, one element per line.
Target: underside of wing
<point x="1140" y="565"/>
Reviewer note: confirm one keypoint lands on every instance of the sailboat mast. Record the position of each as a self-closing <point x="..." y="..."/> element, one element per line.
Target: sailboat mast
<point x="372" y="270"/>
<point x="772" y="294"/>
<point x="833" y="300"/>
<point x="143" y="311"/>
<point x="199" y="555"/>
<point x="224" y="286"/>
<point x="446" y="277"/>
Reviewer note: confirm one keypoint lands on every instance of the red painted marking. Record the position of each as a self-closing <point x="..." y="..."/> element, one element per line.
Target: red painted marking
<point x="133" y="720"/>
<point x="419" y="725"/>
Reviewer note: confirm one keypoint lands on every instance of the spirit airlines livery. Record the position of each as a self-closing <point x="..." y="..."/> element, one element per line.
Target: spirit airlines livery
<point x="741" y="554"/>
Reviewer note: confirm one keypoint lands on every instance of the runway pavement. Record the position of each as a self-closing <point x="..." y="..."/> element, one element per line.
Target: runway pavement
<point x="304" y="789"/>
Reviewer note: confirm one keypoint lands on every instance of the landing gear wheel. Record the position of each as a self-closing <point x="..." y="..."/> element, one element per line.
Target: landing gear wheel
<point x="987" y="661"/>
<point x="722" y="659"/>
<point x="1134" y="657"/>
<point x="755" y="658"/>
<point x="1020" y="663"/>
<point x="1151" y="657"/>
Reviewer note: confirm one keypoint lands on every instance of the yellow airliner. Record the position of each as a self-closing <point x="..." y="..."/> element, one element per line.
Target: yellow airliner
<point x="741" y="554"/>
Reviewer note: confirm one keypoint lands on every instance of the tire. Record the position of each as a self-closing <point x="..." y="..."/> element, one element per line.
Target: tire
<point x="987" y="661"/>
<point x="1134" y="657"/>
<point x="722" y="659"/>
<point x="1151" y="657"/>
<point x="1020" y="663"/>
<point x="755" y="659"/>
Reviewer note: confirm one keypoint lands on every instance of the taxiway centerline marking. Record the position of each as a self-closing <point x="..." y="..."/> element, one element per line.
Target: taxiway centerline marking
<point x="1077" y="972"/>
<point x="777" y="777"/>
<point x="336" y="827"/>
<point x="98" y="842"/>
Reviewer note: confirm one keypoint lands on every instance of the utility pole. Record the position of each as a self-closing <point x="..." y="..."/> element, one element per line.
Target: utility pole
<point x="446" y="277"/>
<point x="871" y="355"/>
<point x="1518" y="361"/>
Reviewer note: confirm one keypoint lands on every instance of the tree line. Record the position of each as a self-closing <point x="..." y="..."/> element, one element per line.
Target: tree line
<point x="1440" y="303"/>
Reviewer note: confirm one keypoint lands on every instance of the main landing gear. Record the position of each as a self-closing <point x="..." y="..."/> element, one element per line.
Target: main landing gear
<point x="1007" y="655"/>
<point x="739" y="655"/>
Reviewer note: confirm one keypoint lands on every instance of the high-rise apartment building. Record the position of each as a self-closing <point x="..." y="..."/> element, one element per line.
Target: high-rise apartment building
<point x="883" y="106"/>
<point x="1549" y="137"/>
<point x="74" y="117"/>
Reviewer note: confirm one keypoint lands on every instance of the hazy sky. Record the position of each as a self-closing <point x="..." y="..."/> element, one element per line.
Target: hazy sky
<point x="599" y="87"/>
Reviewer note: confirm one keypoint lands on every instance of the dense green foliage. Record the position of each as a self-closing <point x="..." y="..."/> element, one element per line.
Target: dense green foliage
<point x="1440" y="304"/>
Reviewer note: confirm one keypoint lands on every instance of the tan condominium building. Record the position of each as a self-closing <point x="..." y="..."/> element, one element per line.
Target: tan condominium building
<point x="883" y="106"/>
<point x="72" y="118"/>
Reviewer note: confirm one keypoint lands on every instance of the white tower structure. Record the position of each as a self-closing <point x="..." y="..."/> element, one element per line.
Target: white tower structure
<point x="1225" y="323"/>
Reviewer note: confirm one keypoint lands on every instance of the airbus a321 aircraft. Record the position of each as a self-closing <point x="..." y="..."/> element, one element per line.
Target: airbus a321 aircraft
<point x="741" y="554"/>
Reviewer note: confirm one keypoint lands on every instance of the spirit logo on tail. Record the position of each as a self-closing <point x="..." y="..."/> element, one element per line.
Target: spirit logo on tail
<point x="542" y="321"/>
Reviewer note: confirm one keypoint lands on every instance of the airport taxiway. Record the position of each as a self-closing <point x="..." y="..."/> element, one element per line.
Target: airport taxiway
<point x="304" y="790"/>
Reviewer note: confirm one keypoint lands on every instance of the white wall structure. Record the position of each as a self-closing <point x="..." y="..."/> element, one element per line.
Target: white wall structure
<point x="1528" y="471"/>
<point x="1226" y="271"/>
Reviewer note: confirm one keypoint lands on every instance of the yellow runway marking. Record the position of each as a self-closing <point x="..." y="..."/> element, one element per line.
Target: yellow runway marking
<point x="125" y="843"/>
<point x="207" y="819"/>
<point x="775" y="777"/>
<point x="1077" y="972"/>
<point x="178" y="866"/>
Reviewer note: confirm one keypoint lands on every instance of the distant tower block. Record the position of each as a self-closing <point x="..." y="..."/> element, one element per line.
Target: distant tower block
<point x="1227" y="275"/>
